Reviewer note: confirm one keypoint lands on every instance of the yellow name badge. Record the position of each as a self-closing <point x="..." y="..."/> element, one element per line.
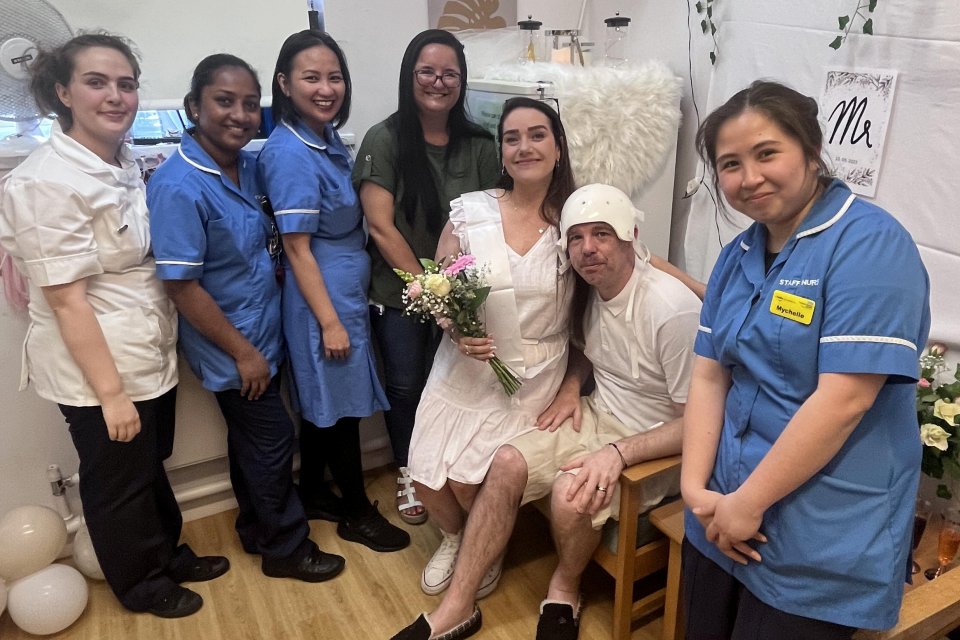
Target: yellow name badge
<point x="786" y="305"/>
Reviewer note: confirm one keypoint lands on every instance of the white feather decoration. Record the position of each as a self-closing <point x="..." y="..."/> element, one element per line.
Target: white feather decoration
<point x="620" y="123"/>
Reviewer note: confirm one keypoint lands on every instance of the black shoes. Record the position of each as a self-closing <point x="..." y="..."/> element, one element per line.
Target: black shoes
<point x="312" y="566"/>
<point x="420" y="629"/>
<point x="558" y="621"/>
<point x="199" y="569"/>
<point x="321" y="504"/>
<point x="373" y="530"/>
<point x="179" y="603"/>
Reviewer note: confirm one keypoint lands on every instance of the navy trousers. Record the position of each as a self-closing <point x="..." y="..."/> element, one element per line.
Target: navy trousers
<point x="719" y="607"/>
<point x="128" y="504"/>
<point x="260" y="442"/>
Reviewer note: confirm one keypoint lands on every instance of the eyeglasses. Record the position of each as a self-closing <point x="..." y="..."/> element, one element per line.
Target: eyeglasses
<point x="428" y="77"/>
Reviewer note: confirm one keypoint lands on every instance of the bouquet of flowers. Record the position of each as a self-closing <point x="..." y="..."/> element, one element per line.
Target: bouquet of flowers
<point x="938" y="414"/>
<point x="454" y="293"/>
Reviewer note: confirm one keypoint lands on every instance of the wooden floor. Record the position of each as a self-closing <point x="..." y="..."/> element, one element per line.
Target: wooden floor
<point x="375" y="596"/>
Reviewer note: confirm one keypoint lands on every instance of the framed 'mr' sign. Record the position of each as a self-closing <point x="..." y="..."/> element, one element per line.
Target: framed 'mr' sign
<point x="854" y="111"/>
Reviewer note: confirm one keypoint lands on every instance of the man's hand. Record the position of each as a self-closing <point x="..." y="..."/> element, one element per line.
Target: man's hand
<point x="566" y="405"/>
<point x="592" y="488"/>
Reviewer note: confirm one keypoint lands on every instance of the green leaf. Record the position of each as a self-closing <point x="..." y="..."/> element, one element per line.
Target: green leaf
<point x="403" y="275"/>
<point x="709" y="11"/>
<point x="868" y="27"/>
<point x="872" y="6"/>
<point x="482" y="294"/>
<point x="836" y="42"/>
<point x="713" y="57"/>
<point x="951" y="467"/>
<point x="429" y="265"/>
<point x="943" y="492"/>
<point x="699" y="6"/>
<point x="703" y="25"/>
<point x="713" y="28"/>
<point x="843" y="20"/>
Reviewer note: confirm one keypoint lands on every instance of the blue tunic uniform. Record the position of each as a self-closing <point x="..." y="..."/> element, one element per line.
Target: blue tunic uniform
<point x="207" y="228"/>
<point x="839" y="543"/>
<point x="308" y="181"/>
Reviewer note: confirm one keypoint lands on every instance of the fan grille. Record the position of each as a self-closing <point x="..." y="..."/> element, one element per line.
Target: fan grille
<point x="43" y="25"/>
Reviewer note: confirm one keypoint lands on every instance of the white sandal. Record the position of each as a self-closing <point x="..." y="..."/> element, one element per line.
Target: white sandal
<point x="408" y="492"/>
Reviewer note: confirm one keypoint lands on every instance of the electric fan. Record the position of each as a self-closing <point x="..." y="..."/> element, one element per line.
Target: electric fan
<point x="25" y="26"/>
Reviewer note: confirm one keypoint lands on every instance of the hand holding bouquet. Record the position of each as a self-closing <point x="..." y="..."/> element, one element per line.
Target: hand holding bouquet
<point x="454" y="293"/>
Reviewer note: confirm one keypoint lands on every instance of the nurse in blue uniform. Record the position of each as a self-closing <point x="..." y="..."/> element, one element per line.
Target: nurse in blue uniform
<point x="306" y="169"/>
<point x="215" y="251"/>
<point x="801" y="455"/>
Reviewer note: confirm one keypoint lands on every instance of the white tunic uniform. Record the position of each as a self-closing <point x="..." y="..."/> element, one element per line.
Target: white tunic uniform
<point x="464" y="414"/>
<point x="66" y="215"/>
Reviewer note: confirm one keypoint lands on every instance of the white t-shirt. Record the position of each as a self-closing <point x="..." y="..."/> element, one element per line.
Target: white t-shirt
<point x="640" y="343"/>
<point x="67" y="215"/>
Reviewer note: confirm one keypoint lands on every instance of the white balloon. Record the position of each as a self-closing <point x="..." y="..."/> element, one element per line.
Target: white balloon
<point x="31" y="537"/>
<point x="3" y="596"/>
<point x="84" y="555"/>
<point x="49" y="600"/>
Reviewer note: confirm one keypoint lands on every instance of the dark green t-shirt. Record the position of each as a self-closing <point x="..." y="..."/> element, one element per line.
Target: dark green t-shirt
<point x="475" y="166"/>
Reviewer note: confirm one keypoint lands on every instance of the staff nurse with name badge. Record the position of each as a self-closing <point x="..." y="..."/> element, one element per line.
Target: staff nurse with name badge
<point x="800" y="453"/>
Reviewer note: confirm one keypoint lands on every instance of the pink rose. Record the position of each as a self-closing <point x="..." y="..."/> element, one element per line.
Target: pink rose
<point x="459" y="265"/>
<point x="924" y="383"/>
<point x="414" y="290"/>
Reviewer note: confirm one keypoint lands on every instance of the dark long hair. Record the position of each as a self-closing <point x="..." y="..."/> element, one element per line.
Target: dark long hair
<point x="419" y="183"/>
<point x="282" y="107"/>
<point x="561" y="184"/>
<point x="204" y="73"/>
<point x="793" y="112"/>
<point x="55" y="67"/>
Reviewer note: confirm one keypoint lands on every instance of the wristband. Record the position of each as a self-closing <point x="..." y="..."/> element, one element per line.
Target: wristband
<point x="620" y="453"/>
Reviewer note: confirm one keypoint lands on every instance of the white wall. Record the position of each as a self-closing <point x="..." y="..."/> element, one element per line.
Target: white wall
<point x="173" y="36"/>
<point x="171" y="40"/>
<point x="373" y="35"/>
<point x="32" y="431"/>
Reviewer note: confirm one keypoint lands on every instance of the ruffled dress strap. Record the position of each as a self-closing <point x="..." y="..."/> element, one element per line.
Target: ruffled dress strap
<point x="478" y="225"/>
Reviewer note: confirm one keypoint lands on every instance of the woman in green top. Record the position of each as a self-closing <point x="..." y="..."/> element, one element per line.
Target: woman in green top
<point x="409" y="167"/>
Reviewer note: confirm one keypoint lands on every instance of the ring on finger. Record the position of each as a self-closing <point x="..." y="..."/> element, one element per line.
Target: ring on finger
<point x="466" y="349"/>
<point x="601" y="489"/>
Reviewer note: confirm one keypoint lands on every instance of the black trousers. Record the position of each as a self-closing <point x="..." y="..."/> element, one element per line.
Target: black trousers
<point x="129" y="507"/>
<point x="719" y="607"/>
<point x="260" y="441"/>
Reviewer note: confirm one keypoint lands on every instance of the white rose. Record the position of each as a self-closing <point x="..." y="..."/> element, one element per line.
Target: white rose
<point x="947" y="411"/>
<point x="437" y="284"/>
<point x="934" y="436"/>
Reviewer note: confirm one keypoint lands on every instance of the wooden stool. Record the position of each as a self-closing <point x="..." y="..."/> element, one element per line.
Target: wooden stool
<point x="669" y="520"/>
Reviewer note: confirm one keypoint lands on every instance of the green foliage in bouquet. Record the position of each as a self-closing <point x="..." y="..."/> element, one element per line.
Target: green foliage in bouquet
<point x="938" y="414"/>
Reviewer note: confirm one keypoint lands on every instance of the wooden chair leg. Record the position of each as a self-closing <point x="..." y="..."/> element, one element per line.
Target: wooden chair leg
<point x="672" y="609"/>
<point x="626" y="550"/>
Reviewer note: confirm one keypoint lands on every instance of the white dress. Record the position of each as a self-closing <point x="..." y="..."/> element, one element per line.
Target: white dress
<point x="464" y="415"/>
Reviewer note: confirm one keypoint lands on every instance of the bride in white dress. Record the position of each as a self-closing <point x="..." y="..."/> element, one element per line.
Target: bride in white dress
<point x="464" y="414"/>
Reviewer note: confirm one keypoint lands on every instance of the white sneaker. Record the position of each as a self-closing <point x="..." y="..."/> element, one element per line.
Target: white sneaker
<point x="491" y="579"/>
<point x="437" y="574"/>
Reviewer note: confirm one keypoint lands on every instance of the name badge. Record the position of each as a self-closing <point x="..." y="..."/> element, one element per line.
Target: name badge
<point x="786" y="305"/>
